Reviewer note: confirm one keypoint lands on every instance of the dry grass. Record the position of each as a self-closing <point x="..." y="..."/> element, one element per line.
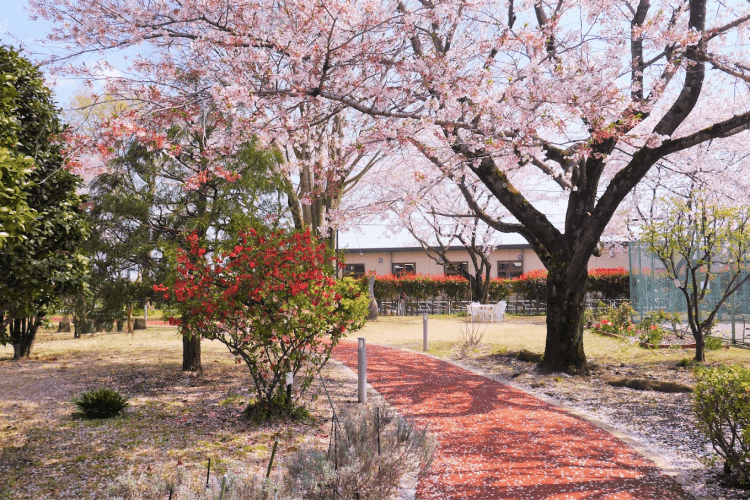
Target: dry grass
<point x="174" y="418"/>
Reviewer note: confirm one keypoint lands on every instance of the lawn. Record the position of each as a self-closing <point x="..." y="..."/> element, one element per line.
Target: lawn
<point x="515" y="333"/>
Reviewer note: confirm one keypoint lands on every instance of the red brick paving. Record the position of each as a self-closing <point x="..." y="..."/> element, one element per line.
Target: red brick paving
<point x="496" y="442"/>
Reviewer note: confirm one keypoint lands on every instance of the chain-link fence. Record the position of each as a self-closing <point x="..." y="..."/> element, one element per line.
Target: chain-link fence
<point x="651" y="289"/>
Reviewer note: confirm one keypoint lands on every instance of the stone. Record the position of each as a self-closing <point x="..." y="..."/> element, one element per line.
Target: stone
<point x="372" y="310"/>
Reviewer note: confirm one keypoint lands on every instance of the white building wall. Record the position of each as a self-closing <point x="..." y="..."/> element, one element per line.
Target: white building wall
<point x="381" y="261"/>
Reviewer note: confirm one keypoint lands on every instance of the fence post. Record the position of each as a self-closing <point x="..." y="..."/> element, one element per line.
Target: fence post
<point x="361" y="371"/>
<point x="424" y="332"/>
<point x="734" y="338"/>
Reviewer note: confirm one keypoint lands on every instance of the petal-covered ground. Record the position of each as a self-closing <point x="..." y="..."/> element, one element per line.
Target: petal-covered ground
<point x="496" y="442"/>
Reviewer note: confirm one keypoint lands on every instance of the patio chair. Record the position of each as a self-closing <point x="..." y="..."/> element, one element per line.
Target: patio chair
<point x="500" y="310"/>
<point x="474" y="312"/>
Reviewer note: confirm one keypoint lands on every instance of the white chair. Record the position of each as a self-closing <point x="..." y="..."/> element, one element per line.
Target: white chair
<point x="474" y="311"/>
<point x="500" y="310"/>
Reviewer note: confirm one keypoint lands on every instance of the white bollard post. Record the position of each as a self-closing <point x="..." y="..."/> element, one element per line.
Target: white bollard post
<point x="362" y="371"/>
<point x="424" y="332"/>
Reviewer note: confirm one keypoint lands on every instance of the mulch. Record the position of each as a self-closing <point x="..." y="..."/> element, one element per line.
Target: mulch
<point x="496" y="442"/>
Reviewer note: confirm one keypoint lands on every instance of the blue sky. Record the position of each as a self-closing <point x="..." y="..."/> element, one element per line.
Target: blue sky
<point x="16" y="29"/>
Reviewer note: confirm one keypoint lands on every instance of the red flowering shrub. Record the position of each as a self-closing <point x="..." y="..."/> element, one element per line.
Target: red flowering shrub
<point x="611" y="283"/>
<point x="420" y="286"/>
<point x="272" y="303"/>
<point x="619" y="321"/>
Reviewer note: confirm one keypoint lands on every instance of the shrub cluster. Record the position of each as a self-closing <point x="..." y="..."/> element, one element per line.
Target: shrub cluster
<point x="609" y="283"/>
<point x="371" y="452"/>
<point x="420" y="286"/>
<point x="357" y="465"/>
<point x="722" y="407"/>
<point x="618" y="321"/>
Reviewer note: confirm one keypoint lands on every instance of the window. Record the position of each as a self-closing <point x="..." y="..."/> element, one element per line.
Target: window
<point x="453" y="269"/>
<point x="354" y="270"/>
<point x="404" y="268"/>
<point x="509" y="268"/>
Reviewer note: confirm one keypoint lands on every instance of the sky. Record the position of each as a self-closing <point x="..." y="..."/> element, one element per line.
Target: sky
<point x="17" y="29"/>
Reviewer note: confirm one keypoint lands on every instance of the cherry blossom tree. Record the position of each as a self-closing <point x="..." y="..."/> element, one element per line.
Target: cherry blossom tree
<point x="323" y="163"/>
<point x="434" y="212"/>
<point x="581" y="97"/>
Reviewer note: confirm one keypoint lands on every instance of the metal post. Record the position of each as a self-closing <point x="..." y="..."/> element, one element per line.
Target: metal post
<point x="424" y="332"/>
<point x="362" y="371"/>
<point x="289" y="382"/>
<point x="145" y="314"/>
<point x="731" y="270"/>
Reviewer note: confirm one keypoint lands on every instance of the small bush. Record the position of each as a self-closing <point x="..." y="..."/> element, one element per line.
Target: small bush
<point x="713" y="343"/>
<point x="100" y="403"/>
<point x="470" y="334"/>
<point x="353" y="466"/>
<point x="687" y="362"/>
<point x="618" y="321"/>
<point x="722" y="406"/>
<point x="615" y="320"/>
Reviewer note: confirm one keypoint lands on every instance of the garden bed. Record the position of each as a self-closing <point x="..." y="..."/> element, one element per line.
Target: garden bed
<point x="672" y="341"/>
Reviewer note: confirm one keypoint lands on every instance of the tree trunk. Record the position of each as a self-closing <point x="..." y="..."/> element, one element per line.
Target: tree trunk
<point x="565" y="306"/>
<point x="22" y="335"/>
<point x="191" y="353"/>
<point x="130" y="318"/>
<point x="700" y="346"/>
<point x="479" y="289"/>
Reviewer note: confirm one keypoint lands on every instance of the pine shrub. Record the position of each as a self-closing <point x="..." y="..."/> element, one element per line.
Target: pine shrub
<point x="100" y="403"/>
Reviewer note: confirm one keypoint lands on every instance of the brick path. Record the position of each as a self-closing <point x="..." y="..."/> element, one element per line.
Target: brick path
<point x="496" y="442"/>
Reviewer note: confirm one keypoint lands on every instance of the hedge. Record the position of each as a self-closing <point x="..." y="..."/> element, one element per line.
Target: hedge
<point x="610" y="283"/>
<point x="420" y="287"/>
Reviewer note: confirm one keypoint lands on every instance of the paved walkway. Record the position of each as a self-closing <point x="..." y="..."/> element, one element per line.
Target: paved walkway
<point x="496" y="442"/>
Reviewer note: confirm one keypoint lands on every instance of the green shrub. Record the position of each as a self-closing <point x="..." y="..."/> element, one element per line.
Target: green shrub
<point x="687" y="362"/>
<point x="713" y="343"/>
<point x="354" y="297"/>
<point x="650" y="327"/>
<point x="722" y="407"/>
<point x="100" y="403"/>
<point x="615" y="320"/>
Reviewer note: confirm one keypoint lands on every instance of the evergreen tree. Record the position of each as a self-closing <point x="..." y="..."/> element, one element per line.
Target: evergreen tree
<point x="46" y="262"/>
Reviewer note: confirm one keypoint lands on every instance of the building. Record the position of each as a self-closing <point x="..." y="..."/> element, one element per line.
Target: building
<point x="508" y="261"/>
